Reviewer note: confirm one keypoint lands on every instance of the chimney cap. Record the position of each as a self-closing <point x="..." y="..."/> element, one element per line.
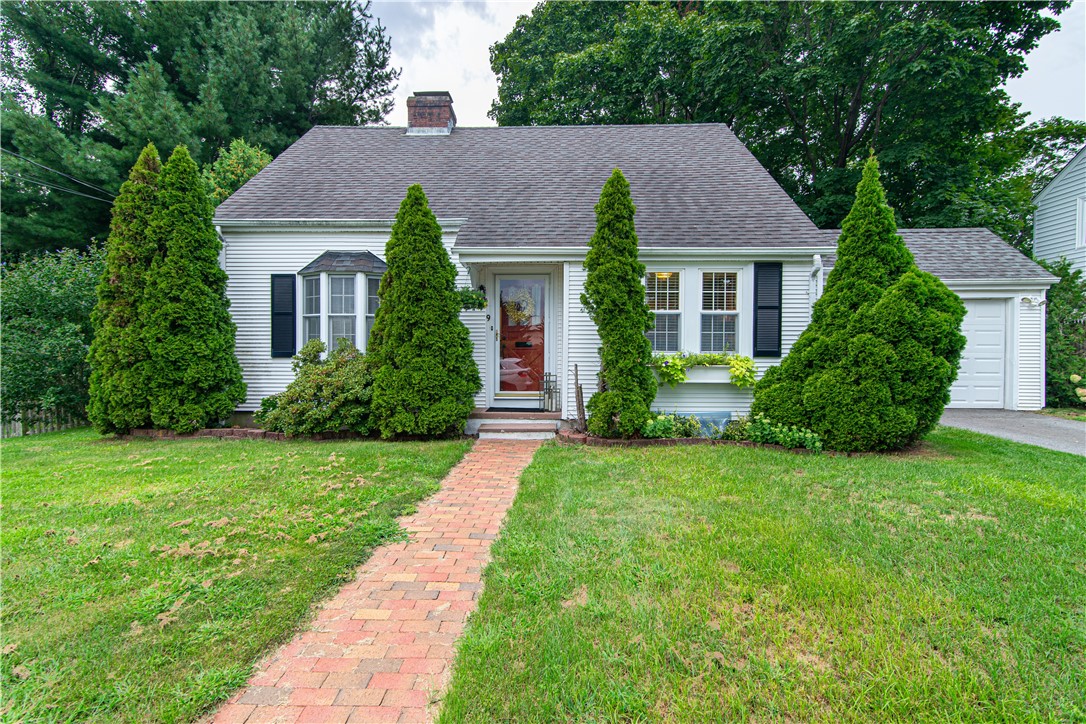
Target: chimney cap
<point x="440" y="94"/>
<point x="430" y="113"/>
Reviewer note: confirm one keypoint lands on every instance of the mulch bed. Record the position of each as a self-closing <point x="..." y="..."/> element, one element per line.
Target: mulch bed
<point x="569" y="437"/>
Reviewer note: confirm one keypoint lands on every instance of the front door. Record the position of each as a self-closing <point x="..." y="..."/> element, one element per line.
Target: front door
<point x="522" y="354"/>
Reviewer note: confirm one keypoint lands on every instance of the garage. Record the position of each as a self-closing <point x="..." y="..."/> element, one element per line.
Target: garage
<point x="981" y="374"/>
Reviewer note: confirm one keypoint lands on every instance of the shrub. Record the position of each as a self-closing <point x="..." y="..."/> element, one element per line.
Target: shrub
<point x="194" y="379"/>
<point x="235" y="165"/>
<point x="326" y="395"/>
<point x="426" y="378"/>
<point x="763" y="430"/>
<point x="665" y="425"/>
<point x="873" y="369"/>
<point x="46" y="317"/>
<point x="1065" y="337"/>
<point x="119" y="358"/>
<point x="614" y="296"/>
<point x="737" y="429"/>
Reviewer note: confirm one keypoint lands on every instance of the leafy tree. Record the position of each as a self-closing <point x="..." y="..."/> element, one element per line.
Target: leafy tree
<point x="119" y="358"/>
<point x="46" y="302"/>
<point x="194" y="379"/>
<point x="809" y="88"/>
<point x="87" y="85"/>
<point x="234" y="166"/>
<point x="873" y="369"/>
<point x="1065" y="337"/>
<point x="425" y="377"/>
<point x="614" y="296"/>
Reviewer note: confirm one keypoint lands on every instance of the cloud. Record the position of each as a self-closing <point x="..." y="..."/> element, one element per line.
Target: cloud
<point x="411" y="24"/>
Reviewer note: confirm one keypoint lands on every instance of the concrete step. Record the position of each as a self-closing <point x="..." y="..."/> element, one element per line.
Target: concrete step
<point x="517" y="430"/>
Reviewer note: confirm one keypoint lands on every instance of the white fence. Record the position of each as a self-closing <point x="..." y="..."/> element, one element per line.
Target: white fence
<point x="38" y="422"/>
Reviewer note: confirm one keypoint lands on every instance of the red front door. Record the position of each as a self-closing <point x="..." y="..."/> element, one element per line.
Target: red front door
<point x="521" y="357"/>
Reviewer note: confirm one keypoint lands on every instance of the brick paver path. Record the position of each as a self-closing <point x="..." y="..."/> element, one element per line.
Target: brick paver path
<point x="381" y="650"/>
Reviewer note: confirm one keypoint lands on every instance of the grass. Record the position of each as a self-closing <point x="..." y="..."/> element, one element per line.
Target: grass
<point x="730" y="584"/>
<point x="142" y="579"/>
<point x="1067" y="413"/>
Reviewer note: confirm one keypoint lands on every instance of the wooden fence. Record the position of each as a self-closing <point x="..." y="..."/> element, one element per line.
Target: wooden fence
<point x="38" y="422"/>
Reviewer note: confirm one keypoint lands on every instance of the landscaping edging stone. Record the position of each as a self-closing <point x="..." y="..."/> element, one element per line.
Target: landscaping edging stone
<point x="580" y="438"/>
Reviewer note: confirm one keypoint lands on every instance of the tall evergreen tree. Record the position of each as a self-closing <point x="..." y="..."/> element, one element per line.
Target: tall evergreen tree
<point x="118" y="355"/>
<point x="614" y="296"/>
<point x="195" y="378"/>
<point x="873" y="369"/>
<point x="425" y="377"/>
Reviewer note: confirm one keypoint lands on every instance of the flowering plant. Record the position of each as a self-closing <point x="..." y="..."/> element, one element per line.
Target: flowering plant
<point x="672" y="367"/>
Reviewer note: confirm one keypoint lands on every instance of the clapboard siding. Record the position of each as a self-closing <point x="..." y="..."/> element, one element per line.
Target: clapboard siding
<point x="1031" y="356"/>
<point x="250" y="258"/>
<point x="475" y="321"/>
<point x="1056" y="219"/>
<point x="582" y="340"/>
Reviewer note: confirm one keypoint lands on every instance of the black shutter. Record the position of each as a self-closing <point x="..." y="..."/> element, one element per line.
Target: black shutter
<point x="282" y="315"/>
<point x="767" y="310"/>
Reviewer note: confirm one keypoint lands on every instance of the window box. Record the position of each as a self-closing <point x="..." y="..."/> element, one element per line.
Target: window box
<point x="711" y="374"/>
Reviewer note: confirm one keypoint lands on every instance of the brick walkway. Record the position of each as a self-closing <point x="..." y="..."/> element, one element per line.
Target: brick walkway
<point x="381" y="650"/>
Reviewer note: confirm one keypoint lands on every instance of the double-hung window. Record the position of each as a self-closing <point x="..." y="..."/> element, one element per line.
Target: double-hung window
<point x="338" y="298"/>
<point x="373" y="283"/>
<point x="719" y="311"/>
<point x="341" y="314"/>
<point x="662" y="294"/>
<point x="311" y="308"/>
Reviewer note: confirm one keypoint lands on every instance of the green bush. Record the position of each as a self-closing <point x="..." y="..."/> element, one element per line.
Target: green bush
<point x="665" y="425"/>
<point x="235" y="165"/>
<point x="326" y="395"/>
<point x="614" y="296"/>
<point x="195" y="379"/>
<point x="873" y="369"/>
<point x="46" y="304"/>
<point x="1065" y="337"/>
<point x="763" y="430"/>
<point x="426" y="378"/>
<point x="672" y="367"/>
<point x="737" y="430"/>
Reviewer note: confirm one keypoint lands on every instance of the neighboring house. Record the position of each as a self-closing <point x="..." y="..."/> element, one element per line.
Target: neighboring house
<point x="733" y="264"/>
<point x="1059" y="224"/>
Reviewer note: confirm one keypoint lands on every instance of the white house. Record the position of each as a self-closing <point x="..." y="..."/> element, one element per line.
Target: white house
<point x="1059" y="224"/>
<point x="733" y="263"/>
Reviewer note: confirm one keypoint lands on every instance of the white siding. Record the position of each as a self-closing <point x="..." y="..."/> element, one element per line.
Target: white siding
<point x="250" y="258"/>
<point x="796" y="307"/>
<point x="582" y="340"/>
<point x="1031" y="356"/>
<point x="476" y="324"/>
<point x="1057" y="220"/>
<point x="692" y="398"/>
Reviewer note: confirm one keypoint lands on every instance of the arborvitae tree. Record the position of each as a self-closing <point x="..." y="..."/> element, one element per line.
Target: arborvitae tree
<point x="118" y="355"/>
<point x="425" y="377"/>
<point x="195" y="378"/>
<point x="874" y="368"/>
<point x="614" y="296"/>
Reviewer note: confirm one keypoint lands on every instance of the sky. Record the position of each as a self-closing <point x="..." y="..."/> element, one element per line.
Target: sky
<point x="445" y="46"/>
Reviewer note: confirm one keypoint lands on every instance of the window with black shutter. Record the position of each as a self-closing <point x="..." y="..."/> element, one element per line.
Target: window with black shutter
<point x="767" y="310"/>
<point x="282" y="315"/>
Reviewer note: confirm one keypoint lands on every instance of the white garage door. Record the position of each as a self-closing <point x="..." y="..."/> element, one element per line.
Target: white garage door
<point x="980" y="377"/>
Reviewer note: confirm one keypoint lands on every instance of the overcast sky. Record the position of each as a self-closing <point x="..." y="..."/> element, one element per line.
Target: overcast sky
<point x="446" y="46"/>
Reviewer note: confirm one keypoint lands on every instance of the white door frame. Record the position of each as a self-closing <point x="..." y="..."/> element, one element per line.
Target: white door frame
<point x="530" y="400"/>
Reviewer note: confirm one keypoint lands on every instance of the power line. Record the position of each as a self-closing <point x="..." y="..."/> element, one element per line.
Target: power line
<point x="48" y="185"/>
<point x="97" y="188"/>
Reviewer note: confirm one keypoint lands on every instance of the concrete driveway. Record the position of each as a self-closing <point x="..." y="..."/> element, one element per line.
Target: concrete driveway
<point x="1054" y="433"/>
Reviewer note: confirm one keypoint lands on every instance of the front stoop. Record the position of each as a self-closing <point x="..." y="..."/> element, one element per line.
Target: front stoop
<point x="517" y="430"/>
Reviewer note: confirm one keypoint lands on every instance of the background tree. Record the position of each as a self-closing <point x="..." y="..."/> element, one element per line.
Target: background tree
<point x="119" y="357"/>
<point x="426" y="377"/>
<point x="1065" y="337"/>
<point x="195" y="379"/>
<point x="873" y="369"/>
<point x="234" y="166"/>
<point x="87" y="85"/>
<point x="809" y="88"/>
<point x="46" y="303"/>
<point x="614" y="296"/>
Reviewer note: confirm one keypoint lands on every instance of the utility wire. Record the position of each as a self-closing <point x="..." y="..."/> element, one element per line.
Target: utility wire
<point x="73" y="178"/>
<point x="39" y="182"/>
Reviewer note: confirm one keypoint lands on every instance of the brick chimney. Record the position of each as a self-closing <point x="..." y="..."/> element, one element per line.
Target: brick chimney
<point x="430" y="113"/>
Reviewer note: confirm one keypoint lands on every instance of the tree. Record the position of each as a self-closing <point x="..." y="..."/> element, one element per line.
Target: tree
<point x="194" y="378"/>
<point x="234" y="166"/>
<point x="873" y="369"/>
<point x="46" y="302"/>
<point x="87" y="85"/>
<point x="425" y="378"/>
<point x="614" y="296"/>
<point x="808" y="87"/>
<point x="119" y="358"/>
<point x="1065" y="337"/>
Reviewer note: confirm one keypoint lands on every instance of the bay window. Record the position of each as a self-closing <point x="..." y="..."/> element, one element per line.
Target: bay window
<point x="339" y="297"/>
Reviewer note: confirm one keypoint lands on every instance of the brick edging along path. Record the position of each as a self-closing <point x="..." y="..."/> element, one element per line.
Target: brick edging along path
<point x="382" y="649"/>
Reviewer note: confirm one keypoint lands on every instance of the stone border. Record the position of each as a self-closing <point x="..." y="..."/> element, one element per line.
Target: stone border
<point x="579" y="438"/>
<point x="238" y="433"/>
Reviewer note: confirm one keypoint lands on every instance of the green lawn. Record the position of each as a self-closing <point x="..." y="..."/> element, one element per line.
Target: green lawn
<point x="726" y="583"/>
<point x="142" y="579"/>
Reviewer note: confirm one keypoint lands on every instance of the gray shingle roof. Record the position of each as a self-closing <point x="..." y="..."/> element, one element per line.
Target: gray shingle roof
<point x="968" y="254"/>
<point x="345" y="261"/>
<point x="694" y="185"/>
